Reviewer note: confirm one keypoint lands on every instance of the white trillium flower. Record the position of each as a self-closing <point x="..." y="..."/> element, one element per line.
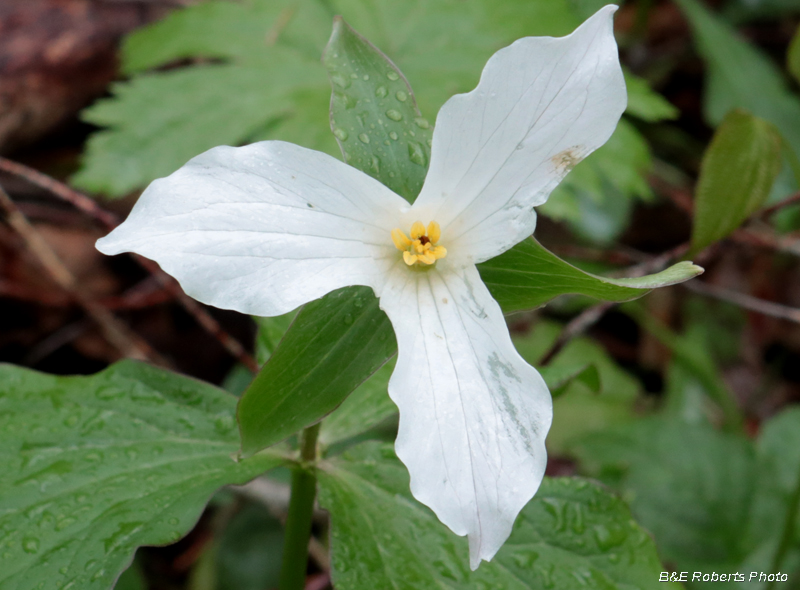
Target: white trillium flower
<point x="265" y="228"/>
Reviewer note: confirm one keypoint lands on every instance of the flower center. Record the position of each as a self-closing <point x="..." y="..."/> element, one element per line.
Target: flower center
<point x="422" y="248"/>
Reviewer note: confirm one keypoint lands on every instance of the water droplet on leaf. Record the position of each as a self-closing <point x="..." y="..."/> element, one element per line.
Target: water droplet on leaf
<point x="394" y="115"/>
<point x="363" y="138"/>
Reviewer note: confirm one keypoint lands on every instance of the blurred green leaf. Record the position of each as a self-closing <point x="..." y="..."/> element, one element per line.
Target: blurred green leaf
<point x="741" y="75"/>
<point x="596" y="197"/>
<point x="253" y="73"/>
<point x="374" y="115"/>
<point x="94" y="467"/>
<point x="318" y="363"/>
<point x="736" y="176"/>
<point x="688" y="484"/>
<point x="248" y="553"/>
<point x="646" y="104"/>
<point x="793" y="56"/>
<point x="366" y="407"/>
<point x="528" y="276"/>
<point x="572" y="535"/>
<point x="559" y="377"/>
<point x="131" y="579"/>
<point x="692" y="351"/>
<point x="269" y="334"/>
<point x="714" y="501"/>
<point x="581" y="408"/>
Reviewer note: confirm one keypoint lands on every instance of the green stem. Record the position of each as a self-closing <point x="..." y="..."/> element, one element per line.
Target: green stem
<point x="301" y="509"/>
<point x="788" y="530"/>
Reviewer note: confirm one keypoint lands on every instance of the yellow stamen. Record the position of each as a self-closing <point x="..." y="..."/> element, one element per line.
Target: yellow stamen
<point x="422" y="248"/>
<point x="439" y="252"/>
<point x="417" y="230"/>
<point x="400" y="240"/>
<point x="434" y="231"/>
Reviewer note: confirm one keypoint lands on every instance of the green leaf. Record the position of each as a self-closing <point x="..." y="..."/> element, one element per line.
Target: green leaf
<point x="581" y="408"/>
<point x="528" y="276"/>
<point x="269" y="334"/>
<point x="714" y="501"/>
<point x="741" y="75"/>
<point x="248" y="552"/>
<point x="374" y="114"/>
<point x="691" y="486"/>
<point x="366" y="407"/>
<point x="559" y="377"/>
<point x="793" y="56"/>
<point x="247" y="71"/>
<point x="736" y="176"/>
<point x="645" y="103"/>
<point x="94" y="467"/>
<point x="692" y="350"/>
<point x="334" y="344"/>
<point x="573" y="534"/>
<point x="596" y="196"/>
<point x="131" y="579"/>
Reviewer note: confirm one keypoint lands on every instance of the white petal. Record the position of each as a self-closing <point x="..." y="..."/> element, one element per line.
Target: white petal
<point x="542" y="105"/>
<point x="264" y="228"/>
<point x="473" y="414"/>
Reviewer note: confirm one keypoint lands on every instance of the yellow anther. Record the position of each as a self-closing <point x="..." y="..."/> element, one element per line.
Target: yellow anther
<point x="434" y="232"/>
<point x="400" y="240"/>
<point x="422" y="248"/>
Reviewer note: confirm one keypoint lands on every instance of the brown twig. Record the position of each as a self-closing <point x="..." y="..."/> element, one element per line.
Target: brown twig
<point x="768" y="308"/>
<point x="790" y="200"/>
<point x="110" y="221"/>
<point x="577" y="326"/>
<point x="117" y="333"/>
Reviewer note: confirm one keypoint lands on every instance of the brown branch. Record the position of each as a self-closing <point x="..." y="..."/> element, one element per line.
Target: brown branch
<point x="768" y="308"/>
<point x="790" y="200"/>
<point x="577" y="326"/>
<point x="118" y="335"/>
<point x="110" y="221"/>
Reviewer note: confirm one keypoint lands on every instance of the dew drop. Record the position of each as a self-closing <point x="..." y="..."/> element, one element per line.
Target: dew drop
<point x="340" y="80"/>
<point x="340" y="134"/>
<point x="98" y="574"/>
<point x="365" y="77"/>
<point x="393" y="135"/>
<point x="363" y="138"/>
<point x="416" y="153"/>
<point x="394" y="115"/>
<point x="392" y="75"/>
<point x="224" y="423"/>
<point x="30" y="544"/>
<point x="354" y="76"/>
<point x="422" y="123"/>
<point x="381" y="92"/>
<point x="401" y="96"/>
<point x="525" y="559"/>
<point x="173" y="521"/>
<point x="64" y="523"/>
<point x="375" y="164"/>
<point x="63" y="570"/>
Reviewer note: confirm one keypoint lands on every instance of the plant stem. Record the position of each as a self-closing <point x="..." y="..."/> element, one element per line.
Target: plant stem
<point x="301" y="509"/>
<point x="788" y="530"/>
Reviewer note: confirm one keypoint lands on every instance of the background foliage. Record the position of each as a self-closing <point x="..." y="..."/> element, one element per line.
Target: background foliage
<point x="683" y="404"/>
